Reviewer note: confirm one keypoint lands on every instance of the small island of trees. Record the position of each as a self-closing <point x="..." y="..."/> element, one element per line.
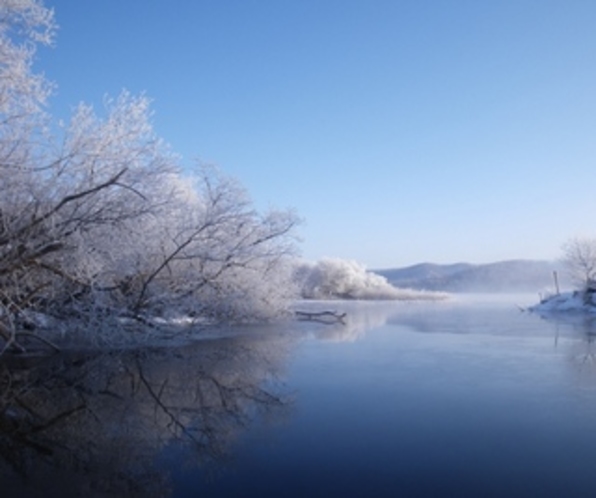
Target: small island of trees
<point x="579" y="257"/>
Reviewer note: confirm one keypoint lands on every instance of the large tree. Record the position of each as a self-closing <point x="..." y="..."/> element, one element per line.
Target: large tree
<point x="98" y="223"/>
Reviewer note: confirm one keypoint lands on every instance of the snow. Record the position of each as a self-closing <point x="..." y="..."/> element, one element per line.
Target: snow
<point x="567" y="302"/>
<point x="334" y="278"/>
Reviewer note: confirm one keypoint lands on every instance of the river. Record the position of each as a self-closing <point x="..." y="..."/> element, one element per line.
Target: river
<point x="467" y="397"/>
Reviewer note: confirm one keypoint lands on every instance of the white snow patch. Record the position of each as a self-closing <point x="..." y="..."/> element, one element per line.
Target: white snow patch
<point x="576" y="301"/>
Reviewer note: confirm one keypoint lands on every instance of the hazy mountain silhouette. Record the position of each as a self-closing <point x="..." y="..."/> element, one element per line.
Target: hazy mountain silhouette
<point x="502" y="276"/>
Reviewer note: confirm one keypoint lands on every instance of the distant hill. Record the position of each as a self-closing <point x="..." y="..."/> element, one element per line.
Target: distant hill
<point x="502" y="276"/>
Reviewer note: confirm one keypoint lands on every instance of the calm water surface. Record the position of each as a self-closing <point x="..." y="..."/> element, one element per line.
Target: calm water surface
<point x="463" y="398"/>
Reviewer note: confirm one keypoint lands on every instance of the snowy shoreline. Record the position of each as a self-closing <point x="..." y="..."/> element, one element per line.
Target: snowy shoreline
<point x="567" y="302"/>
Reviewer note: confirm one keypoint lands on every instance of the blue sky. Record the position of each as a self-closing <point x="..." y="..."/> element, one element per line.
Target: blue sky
<point x="401" y="131"/>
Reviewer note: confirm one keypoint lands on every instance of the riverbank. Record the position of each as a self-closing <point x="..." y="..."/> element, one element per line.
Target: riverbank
<point x="568" y="302"/>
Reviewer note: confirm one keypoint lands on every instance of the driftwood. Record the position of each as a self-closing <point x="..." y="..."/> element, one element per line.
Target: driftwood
<point x="322" y="316"/>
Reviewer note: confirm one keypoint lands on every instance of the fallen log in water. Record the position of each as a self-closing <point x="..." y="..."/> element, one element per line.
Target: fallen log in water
<point x="322" y="316"/>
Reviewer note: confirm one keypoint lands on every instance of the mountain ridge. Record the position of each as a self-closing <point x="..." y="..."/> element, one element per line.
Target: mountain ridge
<point x="515" y="275"/>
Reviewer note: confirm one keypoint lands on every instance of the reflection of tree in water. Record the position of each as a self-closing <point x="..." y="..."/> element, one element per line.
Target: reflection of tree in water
<point x="576" y="332"/>
<point x="583" y="353"/>
<point x="363" y="316"/>
<point x="93" y="425"/>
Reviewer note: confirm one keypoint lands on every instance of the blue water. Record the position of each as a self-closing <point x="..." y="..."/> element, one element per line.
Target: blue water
<point x="460" y="399"/>
<point x="466" y="398"/>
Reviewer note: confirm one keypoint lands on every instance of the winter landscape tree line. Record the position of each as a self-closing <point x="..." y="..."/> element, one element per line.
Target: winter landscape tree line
<point x="100" y="227"/>
<point x="97" y="220"/>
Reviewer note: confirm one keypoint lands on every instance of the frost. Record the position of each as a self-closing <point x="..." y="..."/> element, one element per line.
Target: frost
<point x="345" y="279"/>
<point x="99" y="227"/>
<point x="567" y="302"/>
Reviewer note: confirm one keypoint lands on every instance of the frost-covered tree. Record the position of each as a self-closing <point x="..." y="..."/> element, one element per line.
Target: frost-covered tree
<point x="100" y="223"/>
<point x="333" y="278"/>
<point x="579" y="255"/>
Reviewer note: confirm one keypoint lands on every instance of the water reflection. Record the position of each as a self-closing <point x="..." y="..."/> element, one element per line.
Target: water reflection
<point x="583" y="323"/>
<point x="582" y="353"/>
<point x="358" y="317"/>
<point x="460" y="315"/>
<point x="94" y="425"/>
<point x="85" y="424"/>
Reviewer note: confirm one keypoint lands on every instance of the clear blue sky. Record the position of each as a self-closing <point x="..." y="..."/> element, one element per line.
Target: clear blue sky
<point x="401" y="131"/>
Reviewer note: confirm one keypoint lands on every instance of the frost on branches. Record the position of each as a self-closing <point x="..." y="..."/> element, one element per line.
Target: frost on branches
<point x="100" y="225"/>
<point x="333" y="278"/>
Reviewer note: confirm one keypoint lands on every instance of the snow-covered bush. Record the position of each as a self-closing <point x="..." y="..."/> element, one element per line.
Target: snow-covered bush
<point x="579" y="256"/>
<point x="332" y="278"/>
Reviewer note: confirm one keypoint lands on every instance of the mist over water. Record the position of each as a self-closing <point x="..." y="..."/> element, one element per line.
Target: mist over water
<point x="507" y="277"/>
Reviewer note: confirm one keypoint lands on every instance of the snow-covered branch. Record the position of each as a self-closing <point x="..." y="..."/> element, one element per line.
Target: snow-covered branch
<point x="101" y="223"/>
<point x="333" y="278"/>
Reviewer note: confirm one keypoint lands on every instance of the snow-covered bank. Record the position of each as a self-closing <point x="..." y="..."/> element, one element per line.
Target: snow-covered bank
<point x="567" y="302"/>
